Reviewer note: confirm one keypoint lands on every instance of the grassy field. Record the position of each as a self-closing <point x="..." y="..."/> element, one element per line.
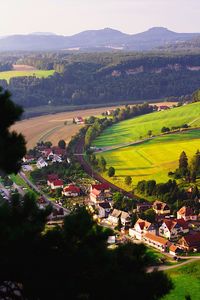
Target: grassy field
<point x="134" y="129"/>
<point x="152" y="159"/>
<point x="186" y="281"/>
<point x="38" y="73"/>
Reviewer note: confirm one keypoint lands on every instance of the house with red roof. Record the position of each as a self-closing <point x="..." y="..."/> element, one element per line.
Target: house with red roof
<point x="100" y="187"/>
<point x="58" y="151"/>
<point x="51" y="178"/>
<point x="161" y="208"/>
<point x="71" y="191"/>
<point x="186" y="213"/>
<point x="173" y="228"/>
<point x="190" y="242"/>
<point x="163" y="107"/>
<point x="78" y="120"/>
<point x="100" y="193"/>
<point x="140" y="228"/>
<point x="47" y="153"/>
<point x="57" y="184"/>
<point x="28" y="158"/>
<point x="174" y="250"/>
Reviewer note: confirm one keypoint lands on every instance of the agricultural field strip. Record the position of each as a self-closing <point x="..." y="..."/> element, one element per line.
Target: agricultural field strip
<point x="161" y="153"/>
<point x="7" y="75"/>
<point x="140" y="142"/>
<point x="45" y="135"/>
<point x="154" y="157"/>
<point x="34" y="128"/>
<point x="136" y="129"/>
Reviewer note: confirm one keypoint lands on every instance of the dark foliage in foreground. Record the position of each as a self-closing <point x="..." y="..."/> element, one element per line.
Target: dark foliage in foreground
<point x="12" y="144"/>
<point x="73" y="261"/>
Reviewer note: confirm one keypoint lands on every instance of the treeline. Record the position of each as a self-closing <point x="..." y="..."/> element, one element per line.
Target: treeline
<point x="169" y="192"/>
<point x="5" y="66"/>
<point x="103" y="78"/>
<point x="187" y="171"/>
<point x="119" y="114"/>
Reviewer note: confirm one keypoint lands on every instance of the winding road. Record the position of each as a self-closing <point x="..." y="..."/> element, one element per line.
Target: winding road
<point x="79" y="153"/>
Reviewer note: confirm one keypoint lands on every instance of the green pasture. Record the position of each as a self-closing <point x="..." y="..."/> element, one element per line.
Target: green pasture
<point x="137" y="128"/>
<point x="37" y="73"/>
<point x="186" y="280"/>
<point x="152" y="159"/>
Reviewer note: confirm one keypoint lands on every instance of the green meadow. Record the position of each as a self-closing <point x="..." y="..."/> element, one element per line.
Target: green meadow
<point x="134" y="129"/>
<point x="37" y="73"/>
<point x="186" y="280"/>
<point x="152" y="159"/>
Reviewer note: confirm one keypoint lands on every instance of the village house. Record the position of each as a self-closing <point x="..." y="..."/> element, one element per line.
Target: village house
<point x="161" y="208"/>
<point x="172" y="229"/>
<point x="109" y="112"/>
<point x="47" y="153"/>
<point x="156" y="241"/>
<point x="117" y="215"/>
<point x="190" y="242"/>
<point x="175" y="250"/>
<point x="186" y="213"/>
<point x="41" y="202"/>
<point x="71" y="191"/>
<point x="104" y="209"/>
<point x="141" y="207"/>
<point x="56" y="158"/>
<point x="41" y="163"/>
<point x="116" y="73"/>
<point x="51" y="178"/>
<point x="58" y="151"/>
<point x="57" y="184"/>
<point x="79" y="120"/>
<point x="28" y="159"/>
<point x="140" y="228"/>
<point x="163" y="107"/>
<point x="114" y="217"/>
<point x="100" y="193"/>
<point x="125" y="219"/>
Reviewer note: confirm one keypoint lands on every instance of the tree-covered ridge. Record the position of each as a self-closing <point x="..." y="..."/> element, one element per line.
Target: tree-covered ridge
<point x="103" y="78"/>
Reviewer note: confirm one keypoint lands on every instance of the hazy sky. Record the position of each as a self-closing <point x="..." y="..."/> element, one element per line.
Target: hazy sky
<point x="72" y="16"/>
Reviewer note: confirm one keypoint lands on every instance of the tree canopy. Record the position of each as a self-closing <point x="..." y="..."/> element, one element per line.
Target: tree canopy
<point x="12" y="144"/>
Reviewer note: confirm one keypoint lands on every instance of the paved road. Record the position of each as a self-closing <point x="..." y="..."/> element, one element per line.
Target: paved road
<point x="79" y="150"/>
<point x="35" y="188"/>
<point x="7" y="193"/>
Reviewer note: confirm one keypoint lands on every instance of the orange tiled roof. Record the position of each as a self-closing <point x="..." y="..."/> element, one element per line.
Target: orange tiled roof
<point x="156" y="238"/>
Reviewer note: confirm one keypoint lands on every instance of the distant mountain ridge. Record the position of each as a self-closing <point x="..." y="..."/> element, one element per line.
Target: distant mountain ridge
<point x="100" y="40"/>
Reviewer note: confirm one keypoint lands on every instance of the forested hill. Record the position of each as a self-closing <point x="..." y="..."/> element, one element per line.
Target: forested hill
<point x="103" y="78"/>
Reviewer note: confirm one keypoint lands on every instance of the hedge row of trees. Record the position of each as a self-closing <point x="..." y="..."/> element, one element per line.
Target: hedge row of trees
<point x="168" y="192"/>
<point x="119" y="114"/>
<point x="187" y="171"/>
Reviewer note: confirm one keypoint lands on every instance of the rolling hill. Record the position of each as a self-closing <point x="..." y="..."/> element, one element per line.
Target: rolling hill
<point x="95" y="40"/>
